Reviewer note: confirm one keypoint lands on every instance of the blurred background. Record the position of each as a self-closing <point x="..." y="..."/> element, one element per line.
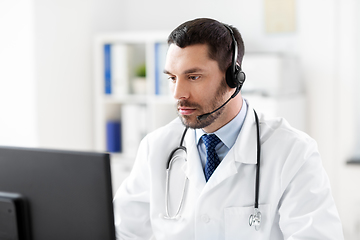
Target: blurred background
<point x="301" y="58"/>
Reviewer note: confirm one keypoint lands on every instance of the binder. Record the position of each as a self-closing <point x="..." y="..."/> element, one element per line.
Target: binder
<point x="107" y="68"/>
<point x="113" y="136"/>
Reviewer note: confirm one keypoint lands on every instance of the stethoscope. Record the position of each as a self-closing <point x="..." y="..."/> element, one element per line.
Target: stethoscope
<point x="254" y="219"/>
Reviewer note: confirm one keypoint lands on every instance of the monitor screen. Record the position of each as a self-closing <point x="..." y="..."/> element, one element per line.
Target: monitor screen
<point x="56" y="195"/>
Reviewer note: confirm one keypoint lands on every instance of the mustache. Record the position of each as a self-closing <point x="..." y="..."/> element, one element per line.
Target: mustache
<point x="186" y="103"/>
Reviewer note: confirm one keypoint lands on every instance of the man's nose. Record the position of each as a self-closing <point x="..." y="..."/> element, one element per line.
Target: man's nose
<point x="181" y="89"/>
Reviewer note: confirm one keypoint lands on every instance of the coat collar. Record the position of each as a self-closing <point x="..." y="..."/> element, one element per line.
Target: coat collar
<point x="245" y="147"/>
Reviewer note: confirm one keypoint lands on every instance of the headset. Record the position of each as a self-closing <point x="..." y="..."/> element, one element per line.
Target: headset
<point x="234" y="76"/>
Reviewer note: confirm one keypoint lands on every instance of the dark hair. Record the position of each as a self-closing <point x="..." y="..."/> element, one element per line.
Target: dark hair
<point x="214" y="34"/>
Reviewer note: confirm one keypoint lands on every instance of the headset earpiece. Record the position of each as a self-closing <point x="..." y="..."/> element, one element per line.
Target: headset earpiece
<point x="234" y="76"/>
<point x="239" y="76"/>
<point x="230" y="78"/>
<point x="235" y="79"/>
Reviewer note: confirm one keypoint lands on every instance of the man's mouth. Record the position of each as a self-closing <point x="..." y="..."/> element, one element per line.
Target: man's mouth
<point x="186" y="110"/>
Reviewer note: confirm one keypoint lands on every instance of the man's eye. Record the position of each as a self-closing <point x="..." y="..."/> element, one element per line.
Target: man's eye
<point x="171" y="78"/>
<point x="194" y="77"/>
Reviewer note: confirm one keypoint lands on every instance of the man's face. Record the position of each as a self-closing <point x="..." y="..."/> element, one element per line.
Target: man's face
<point x="197" y="84"/>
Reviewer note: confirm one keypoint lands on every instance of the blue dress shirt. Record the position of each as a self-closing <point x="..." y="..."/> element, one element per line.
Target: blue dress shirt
<point x="227" y="134"/>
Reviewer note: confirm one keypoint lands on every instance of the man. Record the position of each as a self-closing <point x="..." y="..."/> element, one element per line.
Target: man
<point x="211" y="195"/>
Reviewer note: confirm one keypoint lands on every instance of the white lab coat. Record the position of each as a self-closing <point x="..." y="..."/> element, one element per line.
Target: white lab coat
<point x="295" y="196"/>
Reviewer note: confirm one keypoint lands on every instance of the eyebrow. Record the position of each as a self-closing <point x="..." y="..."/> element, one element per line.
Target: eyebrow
<point x="191" y="70"/>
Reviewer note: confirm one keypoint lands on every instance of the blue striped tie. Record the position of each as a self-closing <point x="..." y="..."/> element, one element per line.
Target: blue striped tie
<point x="212" y="159"/>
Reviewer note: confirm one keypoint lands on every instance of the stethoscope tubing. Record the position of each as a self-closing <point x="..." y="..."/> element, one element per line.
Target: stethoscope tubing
<point x="257" y="183"/>
<point x="168" y="168"/>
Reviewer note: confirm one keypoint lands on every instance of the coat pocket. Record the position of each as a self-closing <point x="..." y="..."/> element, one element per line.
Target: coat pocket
<point x="237" y="223"/>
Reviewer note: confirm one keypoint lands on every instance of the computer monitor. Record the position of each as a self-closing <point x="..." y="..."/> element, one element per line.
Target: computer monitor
<point x="55" y="195"/>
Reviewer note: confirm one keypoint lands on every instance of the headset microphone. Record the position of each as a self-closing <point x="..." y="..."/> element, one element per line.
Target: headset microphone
<point x="234" y="76"/>
<point x="204" y="116"/>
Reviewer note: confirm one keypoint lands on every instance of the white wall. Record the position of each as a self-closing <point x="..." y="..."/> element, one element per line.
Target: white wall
<point x="17" y="77"/>
<point x="63" y="36"/>
<point x="45" y="73"/>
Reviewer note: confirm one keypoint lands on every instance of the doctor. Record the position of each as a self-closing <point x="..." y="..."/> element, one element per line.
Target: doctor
<point x="211" y="189"/>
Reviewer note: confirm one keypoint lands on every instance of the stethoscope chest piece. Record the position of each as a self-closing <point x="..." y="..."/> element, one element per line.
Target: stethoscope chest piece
<point x="255" y="219"/>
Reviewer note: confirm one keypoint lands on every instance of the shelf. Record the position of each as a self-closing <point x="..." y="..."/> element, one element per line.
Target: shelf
<point x="121" y="157"/>
<point x="130" y="98"/>
<point x="138" y="99"/>
<point x="133" y="37"/>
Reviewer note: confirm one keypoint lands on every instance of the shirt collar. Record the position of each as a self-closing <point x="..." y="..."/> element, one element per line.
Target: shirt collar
<point x="229" y="132"/>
